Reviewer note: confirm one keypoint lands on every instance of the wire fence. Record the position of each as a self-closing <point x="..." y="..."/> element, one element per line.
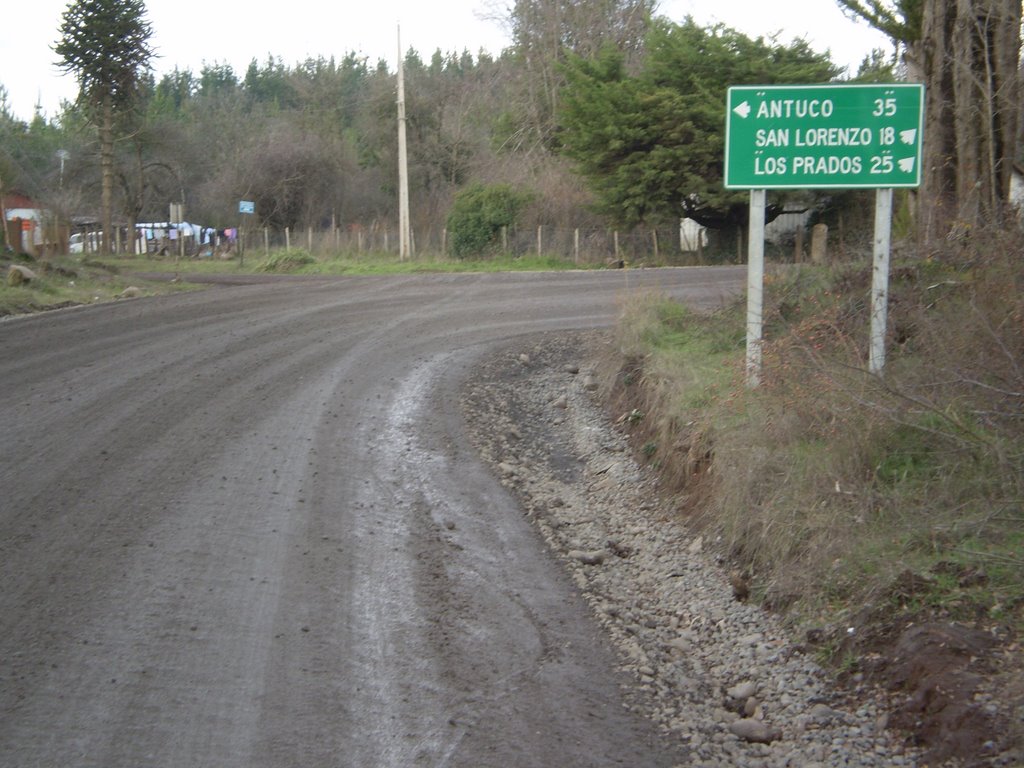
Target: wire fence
<point x="581" y="246"/>
<point x="683" y="245"/>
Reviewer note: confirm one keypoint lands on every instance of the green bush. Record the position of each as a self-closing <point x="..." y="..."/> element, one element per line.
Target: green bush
<point x="478" y="215"/>
<point x="286" y="261"/>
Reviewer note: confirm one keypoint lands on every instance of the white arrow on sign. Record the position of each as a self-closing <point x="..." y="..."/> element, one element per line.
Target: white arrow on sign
<point x="907" y="165"/>
<point x="908" y="137"/>
<point x="743" y="110"/>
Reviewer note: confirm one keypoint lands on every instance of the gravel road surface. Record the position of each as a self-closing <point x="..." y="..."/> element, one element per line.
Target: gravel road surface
<point x="245" y="527"/>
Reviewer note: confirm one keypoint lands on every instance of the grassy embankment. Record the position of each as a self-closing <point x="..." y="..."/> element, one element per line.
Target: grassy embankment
<point x="850" y="499"/>
<point x="298" y="261"/>
<point x="69" y="280"/>
<point x="66" y="281"/>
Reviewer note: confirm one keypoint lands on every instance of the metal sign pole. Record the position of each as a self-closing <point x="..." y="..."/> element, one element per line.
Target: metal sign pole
<point x="859" y="136"/>
<point x="245" y="207"/>
<point x="755" y="286"/>
<point x="880" y="279"/>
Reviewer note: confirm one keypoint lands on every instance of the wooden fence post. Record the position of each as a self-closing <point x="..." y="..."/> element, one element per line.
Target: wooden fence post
<point x="819" y="244"/>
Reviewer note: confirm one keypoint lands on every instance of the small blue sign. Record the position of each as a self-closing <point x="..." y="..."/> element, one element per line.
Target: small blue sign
<point x="246" y="206"/>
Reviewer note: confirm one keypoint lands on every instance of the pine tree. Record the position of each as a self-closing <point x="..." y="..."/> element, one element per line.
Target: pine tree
<point x="105" y="45"/>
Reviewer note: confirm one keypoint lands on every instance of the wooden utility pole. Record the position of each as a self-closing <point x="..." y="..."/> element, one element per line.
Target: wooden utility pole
<point x="404" y="239"/>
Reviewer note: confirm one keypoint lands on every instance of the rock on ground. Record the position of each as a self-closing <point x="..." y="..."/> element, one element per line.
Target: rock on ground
<point x="18" y="274"/>
<point x="719" y="675"/>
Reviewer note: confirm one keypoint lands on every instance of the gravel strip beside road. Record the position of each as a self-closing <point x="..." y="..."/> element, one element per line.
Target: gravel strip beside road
<point x="719" y="675"/>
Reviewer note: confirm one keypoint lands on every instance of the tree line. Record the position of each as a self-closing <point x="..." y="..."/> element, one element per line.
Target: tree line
<point x="601" y="115"/>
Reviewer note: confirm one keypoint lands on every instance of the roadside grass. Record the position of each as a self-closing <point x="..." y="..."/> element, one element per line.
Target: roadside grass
<point x="299" y="261"/>
<point x="367" y="264"/>
<point x="68" y="281"/>
<point x="71" y="280"/>
<point x="848" y="498"/>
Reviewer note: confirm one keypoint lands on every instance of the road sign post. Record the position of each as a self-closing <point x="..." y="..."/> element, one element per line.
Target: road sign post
<point x="755" y="286"/>
<point x="822" y="137"/>
<point x="246" y="208"/>
<point x="880" y="280"/>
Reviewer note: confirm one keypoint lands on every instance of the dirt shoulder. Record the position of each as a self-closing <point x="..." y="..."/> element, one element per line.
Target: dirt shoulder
<point x="723" y="676"/>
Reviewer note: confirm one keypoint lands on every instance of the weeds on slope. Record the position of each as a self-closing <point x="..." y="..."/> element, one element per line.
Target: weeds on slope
<point x="844" y="495"/>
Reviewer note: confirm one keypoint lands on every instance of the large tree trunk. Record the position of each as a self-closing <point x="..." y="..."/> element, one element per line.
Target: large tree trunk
<point x="1005" y="89"/>
<point x="986" y="39"/>
<point x="107" y="171"/>
<point x="138" y="202"/>
<point x="967" y="58"/>
<point x="937" y="196"/>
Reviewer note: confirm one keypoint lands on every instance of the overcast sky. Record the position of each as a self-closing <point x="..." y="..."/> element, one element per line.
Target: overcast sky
<point x="187" y="33"/>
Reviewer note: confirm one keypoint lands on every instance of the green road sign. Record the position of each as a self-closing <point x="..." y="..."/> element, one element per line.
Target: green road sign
<point x="832" y="136"/>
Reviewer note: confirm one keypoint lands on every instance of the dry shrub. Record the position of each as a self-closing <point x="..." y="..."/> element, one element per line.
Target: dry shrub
<point x="827" y="482"/>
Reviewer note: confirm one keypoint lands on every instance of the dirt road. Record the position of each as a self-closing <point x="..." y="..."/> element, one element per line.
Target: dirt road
<point x="245" y="528"/>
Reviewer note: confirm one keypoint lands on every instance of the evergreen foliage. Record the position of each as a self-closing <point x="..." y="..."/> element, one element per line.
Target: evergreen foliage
<point x="478" y="215"/>
<point x="105" y="45"/>
<point x="650" y="145"/>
